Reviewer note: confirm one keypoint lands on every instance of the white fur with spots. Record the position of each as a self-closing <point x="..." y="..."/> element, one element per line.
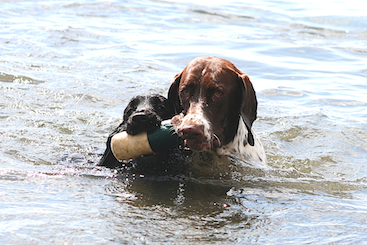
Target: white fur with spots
<point x="240" y="149"/>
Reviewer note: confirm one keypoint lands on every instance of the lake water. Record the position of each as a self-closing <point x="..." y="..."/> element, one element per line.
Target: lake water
<point x="68" y="68"/>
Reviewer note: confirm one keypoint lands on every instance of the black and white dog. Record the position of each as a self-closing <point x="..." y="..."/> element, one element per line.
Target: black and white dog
<point x="143" y="113"/>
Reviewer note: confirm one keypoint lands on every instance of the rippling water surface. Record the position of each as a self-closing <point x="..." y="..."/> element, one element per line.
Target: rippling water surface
<point x="67" y="70"/>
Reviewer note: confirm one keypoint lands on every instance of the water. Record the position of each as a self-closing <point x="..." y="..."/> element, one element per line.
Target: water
<point x="67" y="70"/>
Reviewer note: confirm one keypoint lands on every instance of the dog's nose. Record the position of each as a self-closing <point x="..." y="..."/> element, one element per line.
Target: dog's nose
<point x="139" y="117"/>
<point x="192" y="132"/>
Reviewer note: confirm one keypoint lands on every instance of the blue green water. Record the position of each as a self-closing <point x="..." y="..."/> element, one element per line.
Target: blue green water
<point x="67" y="70"/>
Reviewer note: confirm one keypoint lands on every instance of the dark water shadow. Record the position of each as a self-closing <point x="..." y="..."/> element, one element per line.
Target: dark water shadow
<point x="203" y="205"/>
<point x="202" y="197"/>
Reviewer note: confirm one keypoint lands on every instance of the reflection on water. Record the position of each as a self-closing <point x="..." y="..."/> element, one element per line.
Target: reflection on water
<point x="68" y="69"/>
<point x="196" y="211"/>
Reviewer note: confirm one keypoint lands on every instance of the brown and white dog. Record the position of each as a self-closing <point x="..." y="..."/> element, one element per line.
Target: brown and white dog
<point x="216" y="106"/>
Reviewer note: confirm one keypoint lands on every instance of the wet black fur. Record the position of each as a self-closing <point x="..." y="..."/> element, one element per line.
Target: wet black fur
<point x="143" y="113"/>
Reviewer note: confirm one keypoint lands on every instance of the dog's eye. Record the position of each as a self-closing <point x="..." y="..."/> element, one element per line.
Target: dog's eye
<point x="217" y="94"/>
<point x="185" y="92"/>
<point x="161" y="108"/>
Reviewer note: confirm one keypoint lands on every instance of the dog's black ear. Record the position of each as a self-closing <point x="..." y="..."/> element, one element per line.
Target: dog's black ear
<point x="131" y="106"/>
<point x="248" y="106"/>
<point x="173" y="96"/>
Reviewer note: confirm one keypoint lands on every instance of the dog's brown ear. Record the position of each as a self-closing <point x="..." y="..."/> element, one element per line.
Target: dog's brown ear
<point x="249" y="105"/>
<point x="173" y="93"/>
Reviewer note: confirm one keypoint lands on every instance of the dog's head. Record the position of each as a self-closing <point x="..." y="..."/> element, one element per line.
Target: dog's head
<point x="146" y="112"/>
<point x="211" y="95"/>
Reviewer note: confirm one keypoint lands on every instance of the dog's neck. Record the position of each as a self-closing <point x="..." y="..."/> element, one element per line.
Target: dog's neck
<point x="240" y="148"/>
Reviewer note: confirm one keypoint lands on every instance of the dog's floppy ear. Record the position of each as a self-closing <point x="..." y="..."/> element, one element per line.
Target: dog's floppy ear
<point x="173" y="94"/>
<point x="248" y="106"/>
